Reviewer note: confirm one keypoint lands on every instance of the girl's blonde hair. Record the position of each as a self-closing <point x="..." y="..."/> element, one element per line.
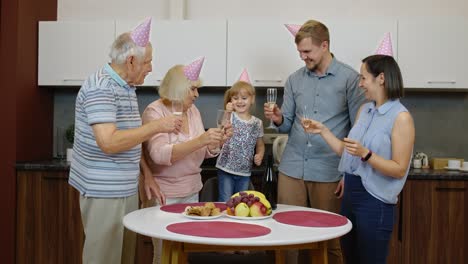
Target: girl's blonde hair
<point x="175" y="84"/>
<point x="236" y="88"/>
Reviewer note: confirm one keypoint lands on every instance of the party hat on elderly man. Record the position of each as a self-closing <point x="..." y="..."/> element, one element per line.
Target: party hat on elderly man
<point x="244" y="77"/>
<point x="385" y="47"/>
<point x="140" y="35"/>
<point x="293" y="28"/>
<point x="192" y="71"/>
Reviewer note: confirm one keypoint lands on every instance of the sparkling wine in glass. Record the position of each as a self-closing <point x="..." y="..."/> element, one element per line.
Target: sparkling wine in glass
<point x="271" y="100"/>
<point x="307" y="122"/>
<point x="177" y="110"/>
<point x="222" y="119"/>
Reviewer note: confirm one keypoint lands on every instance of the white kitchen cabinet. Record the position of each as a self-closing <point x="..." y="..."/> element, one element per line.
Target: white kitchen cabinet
<point x="181" y="42"/>
<point x="265" y="48"/>
<point x="433" y="52"/>
<point x="70" y="51"/>
<point x="351" y="40"/>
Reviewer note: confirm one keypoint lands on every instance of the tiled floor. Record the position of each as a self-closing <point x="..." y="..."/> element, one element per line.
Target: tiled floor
<point x="259" y="257"/>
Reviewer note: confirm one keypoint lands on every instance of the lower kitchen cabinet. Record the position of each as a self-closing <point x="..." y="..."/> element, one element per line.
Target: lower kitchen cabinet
<point x="48" y="221"/>
<point x="434" y="221"/>
<point x="430" y="223"/>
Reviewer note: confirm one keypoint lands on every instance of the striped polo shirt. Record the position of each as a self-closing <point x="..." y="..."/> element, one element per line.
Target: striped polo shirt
<point x="104" y="98"/>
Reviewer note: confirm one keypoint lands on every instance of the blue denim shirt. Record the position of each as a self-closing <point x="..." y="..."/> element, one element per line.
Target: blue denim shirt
<point x="333" y="99"/>
<point x="374" y="131"/>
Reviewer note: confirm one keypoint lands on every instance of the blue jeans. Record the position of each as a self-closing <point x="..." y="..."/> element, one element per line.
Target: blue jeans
<point x="229" y="184"/>
<point x="367" y="242"/>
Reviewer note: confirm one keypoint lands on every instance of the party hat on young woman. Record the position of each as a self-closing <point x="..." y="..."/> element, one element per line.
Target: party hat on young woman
<point x="385" y="47"/>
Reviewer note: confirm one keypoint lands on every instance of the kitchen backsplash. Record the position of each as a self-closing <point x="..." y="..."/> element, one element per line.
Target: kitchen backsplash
<point x="441" y="118"/>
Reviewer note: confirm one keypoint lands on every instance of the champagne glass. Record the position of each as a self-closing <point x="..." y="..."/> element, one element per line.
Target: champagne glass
<point x="307" y="122"/>
<point x="271" y="100"/>
<point x="221" y="121"/>
<point x="177" y="110"/>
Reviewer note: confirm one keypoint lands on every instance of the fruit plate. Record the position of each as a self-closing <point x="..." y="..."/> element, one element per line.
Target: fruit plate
<point x="197" y="217"/>
<point x="249" y="217"/>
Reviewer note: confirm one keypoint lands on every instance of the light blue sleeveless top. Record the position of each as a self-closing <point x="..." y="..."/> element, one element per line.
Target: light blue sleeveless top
<point x="373" y="130"/>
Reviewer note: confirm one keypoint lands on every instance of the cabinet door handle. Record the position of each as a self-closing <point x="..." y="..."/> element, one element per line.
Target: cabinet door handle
<point x="268" y="80"/>
<point x="451" y="82"/>
<point x="450" y="189"/>
<point x="73" y="80"/>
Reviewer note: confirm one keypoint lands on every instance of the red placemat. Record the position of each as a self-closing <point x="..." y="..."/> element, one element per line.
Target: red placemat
<point x="218" y="229"/>
<point x="180" y="207"/>
<point x="310" y="219"/>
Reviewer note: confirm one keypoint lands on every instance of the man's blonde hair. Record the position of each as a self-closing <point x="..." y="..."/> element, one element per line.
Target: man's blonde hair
<point x="315" y="30"/>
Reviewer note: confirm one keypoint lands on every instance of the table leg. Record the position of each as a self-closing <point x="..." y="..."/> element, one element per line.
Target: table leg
<point x="166" y="252"/>
<point x="320" y="255"/>
<point x="280" y="256"/>
<point x="178" y="255"/>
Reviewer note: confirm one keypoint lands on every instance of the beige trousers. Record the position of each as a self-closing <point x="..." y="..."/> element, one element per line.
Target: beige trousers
<point x="157" y="243"/>
<point x="106" y="239"/>
<point x="318" y="195"/>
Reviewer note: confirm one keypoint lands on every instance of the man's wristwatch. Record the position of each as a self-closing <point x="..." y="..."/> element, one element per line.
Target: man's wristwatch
<point x="367" y="157"/>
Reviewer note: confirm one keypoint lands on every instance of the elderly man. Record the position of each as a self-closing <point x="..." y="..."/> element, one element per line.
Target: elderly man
<point x="107" y="149"/>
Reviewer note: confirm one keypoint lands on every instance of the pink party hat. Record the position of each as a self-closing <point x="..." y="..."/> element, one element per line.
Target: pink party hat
<point x="293" y="28"/>
<point x="140" y="34"/>
<point x="385" y="47"/>
<point x="192" y="71"/>
<point x="244" y="76"/>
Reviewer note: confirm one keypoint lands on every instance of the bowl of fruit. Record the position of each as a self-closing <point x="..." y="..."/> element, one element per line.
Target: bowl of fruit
<point x="248" y="205"/>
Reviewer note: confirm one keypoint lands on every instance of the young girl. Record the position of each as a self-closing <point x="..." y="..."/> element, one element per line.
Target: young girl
<point x="235" y="159"/>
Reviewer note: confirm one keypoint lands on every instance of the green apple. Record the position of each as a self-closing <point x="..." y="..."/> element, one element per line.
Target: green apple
<point x="242" y="209"/>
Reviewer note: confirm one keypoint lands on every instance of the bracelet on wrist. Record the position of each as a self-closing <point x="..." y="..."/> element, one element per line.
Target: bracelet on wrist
<point x="367" y="157"/>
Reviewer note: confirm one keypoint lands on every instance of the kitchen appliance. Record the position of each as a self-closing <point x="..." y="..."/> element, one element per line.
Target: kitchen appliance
<point x="420" y="160"/>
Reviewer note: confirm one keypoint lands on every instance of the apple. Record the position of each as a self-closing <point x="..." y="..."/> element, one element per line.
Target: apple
<point x="242" y="209"/>
<point x="258" y="209"/>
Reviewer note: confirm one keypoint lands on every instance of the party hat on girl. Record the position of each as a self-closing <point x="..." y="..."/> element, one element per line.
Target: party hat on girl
<point x="293" y="28"/>
<point x="244" y="77"/>
<point x="140" y="35"/>
<point x="385" y="47"/>
<point x="192" y="71"/>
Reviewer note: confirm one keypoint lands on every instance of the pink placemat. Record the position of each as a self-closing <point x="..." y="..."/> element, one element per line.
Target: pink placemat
<point x="180" y="207"/>
<point x="310" y="219"/>
<point x="218" y="229"/>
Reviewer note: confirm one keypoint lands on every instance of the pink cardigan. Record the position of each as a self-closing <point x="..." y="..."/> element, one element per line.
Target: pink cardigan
<point x="181" y="178"/>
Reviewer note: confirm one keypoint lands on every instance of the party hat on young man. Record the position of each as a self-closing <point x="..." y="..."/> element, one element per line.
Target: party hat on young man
<point x="244" y="77"/>
<point x="385" y="47"/>
<point x="192" y="71"/>
<point x="140" y="34"/>
<point x="293" y="28"/>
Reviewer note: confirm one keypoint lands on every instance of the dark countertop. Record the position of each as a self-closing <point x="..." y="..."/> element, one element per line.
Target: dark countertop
<point x="208" y="165"/>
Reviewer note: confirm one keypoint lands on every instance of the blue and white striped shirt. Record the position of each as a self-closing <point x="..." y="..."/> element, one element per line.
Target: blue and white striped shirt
<point x="104" y="98"/>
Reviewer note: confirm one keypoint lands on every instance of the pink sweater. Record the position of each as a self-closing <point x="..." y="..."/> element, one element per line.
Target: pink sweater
<point x="181" y="178"/>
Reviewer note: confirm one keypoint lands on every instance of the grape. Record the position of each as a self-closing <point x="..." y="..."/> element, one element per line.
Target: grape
<point x="243" y="194"/>
<point x="257" y="199"/>
<point x="251" y="196"/>
<point x="229" y="203"/>
<point x="245" y="199"/>
<point x="249" y="203"/>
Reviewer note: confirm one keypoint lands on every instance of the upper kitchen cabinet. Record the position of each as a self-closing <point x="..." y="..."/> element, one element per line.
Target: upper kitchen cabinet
<point x="265" y="48"/>
<point x="433" y="52"/>
<point x="351" y="40"/>
<point x="181" y="42"/>
<point x="70" y="51"/>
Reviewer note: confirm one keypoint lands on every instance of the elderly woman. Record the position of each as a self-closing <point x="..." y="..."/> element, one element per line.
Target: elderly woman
<point x="175" y="159"/>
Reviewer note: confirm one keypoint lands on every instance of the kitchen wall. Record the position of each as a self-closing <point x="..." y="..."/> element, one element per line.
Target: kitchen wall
<point x="441" y="118"/>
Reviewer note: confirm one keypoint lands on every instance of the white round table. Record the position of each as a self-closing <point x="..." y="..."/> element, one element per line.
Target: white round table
<point x="153" y="221"/>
